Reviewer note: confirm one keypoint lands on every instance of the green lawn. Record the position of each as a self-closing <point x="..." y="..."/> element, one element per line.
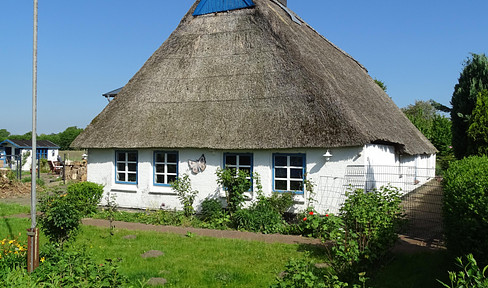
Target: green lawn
<point x="191" y="261"/>
<point x="211" y="262"/>
<point x="12" y="209"/>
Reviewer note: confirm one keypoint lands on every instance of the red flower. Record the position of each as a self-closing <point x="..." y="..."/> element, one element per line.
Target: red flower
<point x="311" y="212"/>
<point x="305" y="219"/>
<point x="326" y="215"/>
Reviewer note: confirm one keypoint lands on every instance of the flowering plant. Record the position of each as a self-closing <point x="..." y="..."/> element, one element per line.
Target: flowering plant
<point x="12" y="253"/>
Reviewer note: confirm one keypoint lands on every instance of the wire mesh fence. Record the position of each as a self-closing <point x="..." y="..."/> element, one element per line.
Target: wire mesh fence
<point x="421" y="195"/>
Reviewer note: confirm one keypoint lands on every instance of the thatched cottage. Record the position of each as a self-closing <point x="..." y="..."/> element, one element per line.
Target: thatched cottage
<point x="250" y="85"/>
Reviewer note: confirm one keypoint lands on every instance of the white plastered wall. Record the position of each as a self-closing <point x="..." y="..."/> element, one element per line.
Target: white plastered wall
<point x="145" y="195"/>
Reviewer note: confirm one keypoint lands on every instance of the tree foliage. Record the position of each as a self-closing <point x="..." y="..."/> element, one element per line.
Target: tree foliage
<point x="4" y="134"/>
<point x="473" y="79"/>
<point x="435" y="127"/>
<point x="381" y="84"/>
<point x="478" y="129"/>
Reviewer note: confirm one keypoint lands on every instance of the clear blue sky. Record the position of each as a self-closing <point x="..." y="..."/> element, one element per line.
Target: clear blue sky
<point x="87" y="48"/>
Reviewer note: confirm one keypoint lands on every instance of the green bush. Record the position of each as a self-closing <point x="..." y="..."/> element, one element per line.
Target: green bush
<point x="465" y="207"/>
<point x="470" y="275"/>
<point x="61" y="213"/>
<point x="59" y="219"/>
<point x="280" y="202"/>
<point x="260" y="217"/>
<point x="235" y="184"/>
<point x="85" y="196"/>
<point x="186" y="195"/>
<point x="211" y="209"/>
<point x="365" y="230"/>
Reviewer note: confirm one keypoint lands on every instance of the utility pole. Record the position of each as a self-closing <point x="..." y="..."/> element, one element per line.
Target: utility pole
<point x="33" y="232"/>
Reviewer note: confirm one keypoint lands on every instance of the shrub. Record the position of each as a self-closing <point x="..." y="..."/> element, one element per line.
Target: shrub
<point x="85" y="196"/>
<point x="465" y="207"/>
<point x="300" y="273"/>
<point x="62" y="212"/>
<point x="60" y="218"/>
<point x="365" y="230"/>
<point x="260" y="217"/>
<point x="235" y="184"/>
<point x="470" y="275"/>
<point x="186" y="195"/>
<point x="211" y="209"/>
<point x="280" y="202"/>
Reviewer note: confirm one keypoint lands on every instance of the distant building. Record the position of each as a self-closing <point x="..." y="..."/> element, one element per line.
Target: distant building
<point x="21" y="149"/>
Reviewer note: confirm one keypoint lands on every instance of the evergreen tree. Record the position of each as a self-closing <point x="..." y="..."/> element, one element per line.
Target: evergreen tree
<point x="478" y="130"/>
<point x="473" y="79"/>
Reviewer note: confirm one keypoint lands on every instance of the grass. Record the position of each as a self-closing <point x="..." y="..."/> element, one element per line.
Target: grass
<point x="12" y="209"/>
<point x="191" y="261"/>
<point x="211" y="262"/>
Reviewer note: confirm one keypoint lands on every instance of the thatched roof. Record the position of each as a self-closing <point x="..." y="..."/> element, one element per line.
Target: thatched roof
<point x="250" y="79"/>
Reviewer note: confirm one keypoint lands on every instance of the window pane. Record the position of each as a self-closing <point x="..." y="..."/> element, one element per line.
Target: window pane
<point x="296" y="185"/>
<point x="171" y="178"/>
<point x="280" y="160"/>
<point x="159" y="157"/>
<point x="296" y="161"/>
<point x="132" y="156"/>
<point x="160" y="179"/>
<point x="280" y="173"/>
<point x="280" y="185"/>
<point x="121" y="177"/>
<point x="120" y="156"/>
<point x="171" y="169"/>
<point x="230" y="160"/>
<point x="120" y="166"/>
<point x="132" y="167"/>
<point x="296" y="173"/>
<point x="171" y="158"/>
<point x="132" y="177"/>
<point x="160" y="168"/>
<point x="245" y="160"/>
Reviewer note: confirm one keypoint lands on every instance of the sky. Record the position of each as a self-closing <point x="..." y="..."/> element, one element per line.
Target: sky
<point x="87" y="48"/>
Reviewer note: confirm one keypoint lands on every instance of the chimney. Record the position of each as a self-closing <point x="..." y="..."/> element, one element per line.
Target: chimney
<point x="283" y="2"/>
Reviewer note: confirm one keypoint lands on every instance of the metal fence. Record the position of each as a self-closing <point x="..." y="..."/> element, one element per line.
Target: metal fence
<point x="421" y="195"/>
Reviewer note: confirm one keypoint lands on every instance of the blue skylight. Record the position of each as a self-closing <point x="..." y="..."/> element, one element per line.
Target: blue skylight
<point x="212" y="6"/>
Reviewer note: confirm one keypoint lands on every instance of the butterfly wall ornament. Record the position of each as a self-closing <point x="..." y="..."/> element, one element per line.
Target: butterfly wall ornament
<point x="199" y="165"/>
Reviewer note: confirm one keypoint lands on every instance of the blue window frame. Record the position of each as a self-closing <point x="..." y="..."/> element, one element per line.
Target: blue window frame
<point x="239" y="161"/>
<point x="41" y="153"/>
<point x="289" y="172"/>
<point x="126" y="167"/>
<point x="165" y="167"/>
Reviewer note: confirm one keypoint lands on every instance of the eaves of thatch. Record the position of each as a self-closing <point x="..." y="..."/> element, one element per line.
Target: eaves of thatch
<point x="250" y="79"/>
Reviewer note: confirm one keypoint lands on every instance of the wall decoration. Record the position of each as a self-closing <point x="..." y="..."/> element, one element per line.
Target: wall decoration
<point x="199" y="165"/>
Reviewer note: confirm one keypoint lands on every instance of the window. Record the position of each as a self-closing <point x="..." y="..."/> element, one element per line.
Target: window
<point x="288" y="172"/>
<point x="165" y="167"/>
<point x="41" y="153"/>
<point x="239" y="162"/>
<point x="126" y="167"/>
